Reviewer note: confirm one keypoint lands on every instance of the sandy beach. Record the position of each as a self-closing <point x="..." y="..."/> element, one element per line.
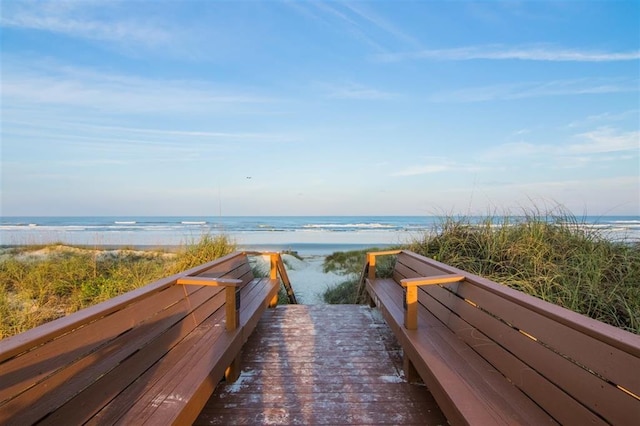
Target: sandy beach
<point x="307" y="277"/>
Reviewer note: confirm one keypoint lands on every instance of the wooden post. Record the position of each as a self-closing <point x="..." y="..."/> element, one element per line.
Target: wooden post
<point x="411" y="307"/>
<point x="274" y="266"/>
<point x="232" y="295"/>
<point x="371" y="260"/>
<point x="232" y="304"/>
<point x="274" y="301"/>
<point x="285" y="280"/>
<point x="410" y="371"/>
<point x="232" y="372"/>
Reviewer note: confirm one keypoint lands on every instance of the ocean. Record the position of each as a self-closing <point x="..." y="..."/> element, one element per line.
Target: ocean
<point x="305" y="234"/>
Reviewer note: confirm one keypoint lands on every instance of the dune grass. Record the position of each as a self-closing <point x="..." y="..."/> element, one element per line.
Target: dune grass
<point x="554" y="257"/>
<point x="349" y="264"/>
<point x="40" y="284"/>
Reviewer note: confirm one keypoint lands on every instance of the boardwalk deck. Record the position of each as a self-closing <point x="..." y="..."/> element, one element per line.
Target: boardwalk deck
<point x="322" y="364"/>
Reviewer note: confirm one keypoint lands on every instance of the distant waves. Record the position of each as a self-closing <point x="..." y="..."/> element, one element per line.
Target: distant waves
<point x="281" y="231"/>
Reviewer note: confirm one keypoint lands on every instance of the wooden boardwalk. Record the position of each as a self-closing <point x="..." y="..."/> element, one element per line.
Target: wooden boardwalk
<point x="321" y="364"/>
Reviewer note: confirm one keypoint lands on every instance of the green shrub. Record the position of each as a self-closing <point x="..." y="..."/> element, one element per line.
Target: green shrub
<point x="345" y="292"/>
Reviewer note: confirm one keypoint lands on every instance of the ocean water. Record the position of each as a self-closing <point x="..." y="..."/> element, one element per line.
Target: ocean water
<point x="312" y="234"/>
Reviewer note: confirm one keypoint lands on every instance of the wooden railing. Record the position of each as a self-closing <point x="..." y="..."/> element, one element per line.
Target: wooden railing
<point x="233" y="286"/>
<point x="369" y="271"/>
<point x="156" y="352"/>
<point x="277" y="268"/>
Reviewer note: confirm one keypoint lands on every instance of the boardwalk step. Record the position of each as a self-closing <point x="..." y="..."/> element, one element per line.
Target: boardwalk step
<point x="321" y="364"/>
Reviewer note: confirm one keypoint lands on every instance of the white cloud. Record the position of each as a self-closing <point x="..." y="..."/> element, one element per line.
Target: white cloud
<point x="605" y="140"/>
<point x="357" y="20"/>
<point x="584" y="86"/>
<point x="517" y="149"/>
<point x="49" y="84"/>
<point x="592" y="196"/>
<point x="355" y="92"/>
<point x="433" y="165"/>
<point x="194" y="134"/>
<point x="380" y="23"/>
<point x="587" y="148"/>
<point x="522" y="132"/>
<point x="607" y="117"/>
<point x="422" y="170"/>
<point x="81" y="20"/>
<point x="501" y="52"/>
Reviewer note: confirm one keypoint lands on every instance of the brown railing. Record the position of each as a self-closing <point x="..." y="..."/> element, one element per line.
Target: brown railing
<point x="277" y="268"/>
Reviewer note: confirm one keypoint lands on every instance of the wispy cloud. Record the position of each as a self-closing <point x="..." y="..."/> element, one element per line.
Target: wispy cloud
<point x="584" y="148"/>
<point x="583" y="86"/>
<point x="381" y="24"/>
<point x="422" y="170"/>
<point x="359" y="21"/>
<point x="432" y="165"/>
<point x="501" y="52"/>
<point x="607" y="117"/>
<point x="49" y="84"/>
<point x="131" y="142"/>
<point x="81" y="20"/>
<point x="355" y="92"/>
<point x="606" y="140"/>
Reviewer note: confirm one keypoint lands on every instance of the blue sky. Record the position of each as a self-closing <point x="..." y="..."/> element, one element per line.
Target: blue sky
<point x="351" y="108"/>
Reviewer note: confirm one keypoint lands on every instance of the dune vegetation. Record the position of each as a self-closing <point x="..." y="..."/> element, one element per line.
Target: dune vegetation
<point x="553" y="257"/>
<point x="40" y="284"/>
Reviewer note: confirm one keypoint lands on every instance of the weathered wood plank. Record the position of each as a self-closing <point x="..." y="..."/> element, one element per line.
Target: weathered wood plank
<point x="75" y="377"/>
<point x="29" y="368"/>
<point x="321" y="365"/>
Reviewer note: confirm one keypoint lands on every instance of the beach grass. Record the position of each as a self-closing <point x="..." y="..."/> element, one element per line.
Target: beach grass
<point x="350" y="264"/>
<point x="40" y="284"/>
<point x="554" y="257"/>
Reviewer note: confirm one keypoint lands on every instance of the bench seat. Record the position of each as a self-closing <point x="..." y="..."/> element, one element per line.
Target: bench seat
<point x="494" y="355"/>
<point x="475" y="392"/>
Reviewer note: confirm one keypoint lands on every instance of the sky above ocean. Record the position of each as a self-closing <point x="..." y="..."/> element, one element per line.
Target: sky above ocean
<point x="223" y="108"/>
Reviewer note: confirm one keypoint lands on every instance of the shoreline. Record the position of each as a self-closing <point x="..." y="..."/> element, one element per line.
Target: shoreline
<point x="303" y="249"/>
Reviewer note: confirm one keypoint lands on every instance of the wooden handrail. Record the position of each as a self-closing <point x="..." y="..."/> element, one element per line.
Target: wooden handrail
<point x="435" y="279"/>
<point x="285" y="280"/>
<point x="277" y="268"/>
<point x="371" y="260"/>
<point x="410" y="287"/>
<point x="361" y="296"/>
<point x="13" y="345"/>
<point x="232" y="289"/>
<point x="216" y="282"/>
<point x="369" y="271"/>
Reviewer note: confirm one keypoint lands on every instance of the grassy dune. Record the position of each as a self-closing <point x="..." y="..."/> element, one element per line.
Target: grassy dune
<point x="553" y="258"/>
<point x="40" y="284"/>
